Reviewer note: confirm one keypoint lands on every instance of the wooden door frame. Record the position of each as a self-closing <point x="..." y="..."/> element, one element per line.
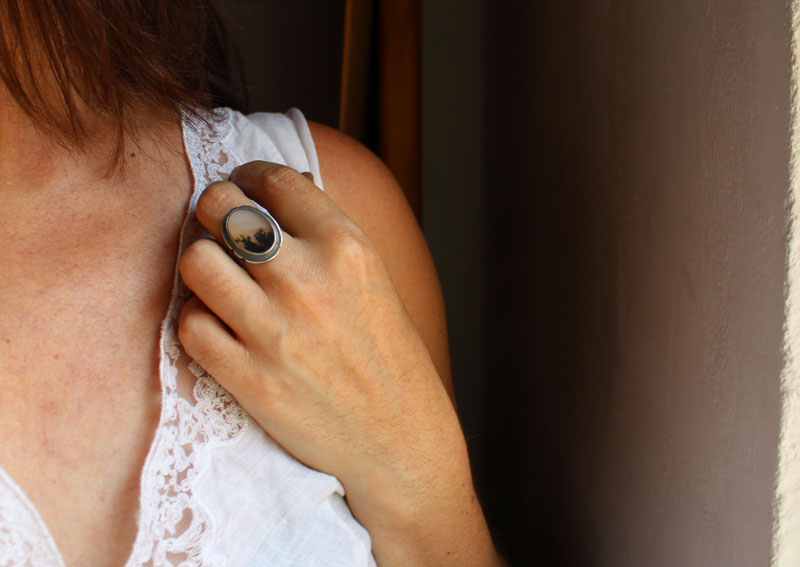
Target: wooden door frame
<point x="397" y="41"/>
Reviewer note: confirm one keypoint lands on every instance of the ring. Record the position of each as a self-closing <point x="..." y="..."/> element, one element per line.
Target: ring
<point x="251" y="234"/>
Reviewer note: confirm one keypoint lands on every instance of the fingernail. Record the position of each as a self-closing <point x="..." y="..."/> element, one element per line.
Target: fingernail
<point x="308" y="175"/>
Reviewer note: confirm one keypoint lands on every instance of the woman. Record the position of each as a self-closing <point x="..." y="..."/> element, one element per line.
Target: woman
<point x="119" y="447"/>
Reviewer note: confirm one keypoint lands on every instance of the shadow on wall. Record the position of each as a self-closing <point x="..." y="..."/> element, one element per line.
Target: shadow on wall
<point x="549" y="279"/>
<point x="636" y="169"/>
<point x="283" y="63"/>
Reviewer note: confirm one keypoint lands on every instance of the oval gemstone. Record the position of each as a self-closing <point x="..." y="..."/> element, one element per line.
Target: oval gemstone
<point x="250" y="230"/>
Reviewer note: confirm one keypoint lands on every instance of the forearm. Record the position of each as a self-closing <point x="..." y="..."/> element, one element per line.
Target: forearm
<point x="457" y="536"/>
<point x="430" y="515"/>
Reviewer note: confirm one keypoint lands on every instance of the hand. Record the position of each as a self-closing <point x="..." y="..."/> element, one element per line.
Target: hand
<point x="317" y="347"/>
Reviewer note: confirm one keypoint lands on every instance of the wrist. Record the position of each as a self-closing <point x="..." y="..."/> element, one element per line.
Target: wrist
<point x="446" y="536"/>
<point x="424" y="520"/>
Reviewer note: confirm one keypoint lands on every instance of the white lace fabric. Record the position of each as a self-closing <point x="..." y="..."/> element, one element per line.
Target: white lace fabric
<point x="215" y="489"/>
<point x="24" y="539"/>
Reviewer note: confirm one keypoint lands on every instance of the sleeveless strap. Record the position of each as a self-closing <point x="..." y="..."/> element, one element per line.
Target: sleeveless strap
<point x="258" y="135"/>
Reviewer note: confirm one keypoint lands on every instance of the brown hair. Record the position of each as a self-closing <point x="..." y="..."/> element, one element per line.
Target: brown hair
<point x="117" y="57"/>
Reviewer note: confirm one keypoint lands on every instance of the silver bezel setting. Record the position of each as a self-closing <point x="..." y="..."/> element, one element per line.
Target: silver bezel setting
<point x="245" y="255"/>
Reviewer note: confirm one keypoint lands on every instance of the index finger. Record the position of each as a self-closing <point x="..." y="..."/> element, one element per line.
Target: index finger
<point x="300" y="207"/>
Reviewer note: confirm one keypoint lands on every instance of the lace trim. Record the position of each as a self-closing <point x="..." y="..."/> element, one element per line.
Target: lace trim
<point x="175" y="529"/>
<point x="24" y="539"/>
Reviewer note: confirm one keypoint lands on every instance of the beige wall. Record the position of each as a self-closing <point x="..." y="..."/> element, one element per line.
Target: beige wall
<point x="636" y="173"/>
<point x="786" y="520"/>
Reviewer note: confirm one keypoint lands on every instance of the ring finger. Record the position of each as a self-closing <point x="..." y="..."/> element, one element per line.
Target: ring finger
<point x="216" y="202"/>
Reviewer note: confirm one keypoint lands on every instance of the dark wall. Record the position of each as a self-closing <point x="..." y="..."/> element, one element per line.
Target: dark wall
<point x="453" y="191"/>
<point x="292" y="53"/>
<point x="635" y="180"/>
<point x="604" y="186"/>
<point x="551" y="236"/>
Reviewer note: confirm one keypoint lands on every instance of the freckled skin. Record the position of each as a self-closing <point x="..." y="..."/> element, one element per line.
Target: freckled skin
<point x="79" y="341"/>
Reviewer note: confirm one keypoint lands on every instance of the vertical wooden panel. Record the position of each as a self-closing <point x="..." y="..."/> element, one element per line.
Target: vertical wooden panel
<point x="355" y="68"/>
<point x="399" y="81"/>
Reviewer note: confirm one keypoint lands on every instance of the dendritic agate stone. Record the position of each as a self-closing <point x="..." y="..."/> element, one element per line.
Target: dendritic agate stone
<point x="252" y="234"/>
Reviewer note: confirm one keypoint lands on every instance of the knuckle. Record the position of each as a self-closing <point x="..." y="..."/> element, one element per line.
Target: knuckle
<point x="200" y="246"/>
<point x="224" y="283"/>
<point x="190" y="329"/>
<point x="202" y="272"/>
<point x="211" y="356"/>
<point x="283" y="176"/>
<point x="193" y="334"/>
<point x="245" y="375"/>
<point x="352" y="251"/>
<point x="208" y="354"/>
<point x="217" y="195"/>
<point x="194" y="261"/>
<point x="232" y="292"/>
<point x="270" y="342"/>
<point x="341" y="231"/>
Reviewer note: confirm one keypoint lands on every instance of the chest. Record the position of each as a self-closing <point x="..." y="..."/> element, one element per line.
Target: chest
<point x="79" y="333"/>
<point x="81" y="398"/>
<point x="73" y="361"/>
<point x="80" y="390"/>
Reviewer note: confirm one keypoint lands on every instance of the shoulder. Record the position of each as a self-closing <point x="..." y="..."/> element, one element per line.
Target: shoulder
<point x="364" y="188"/>
<point x="357" y="179"/>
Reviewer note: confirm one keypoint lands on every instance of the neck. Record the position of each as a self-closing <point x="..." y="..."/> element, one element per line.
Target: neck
<point x="48" y="190"/>
<point x="33" y="163"/>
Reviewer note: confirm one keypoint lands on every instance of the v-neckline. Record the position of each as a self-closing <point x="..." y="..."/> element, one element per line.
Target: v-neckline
<point x="191" y="141"/>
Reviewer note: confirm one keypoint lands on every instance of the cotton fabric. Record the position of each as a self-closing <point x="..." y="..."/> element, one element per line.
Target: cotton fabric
<point x="216" y="490"/>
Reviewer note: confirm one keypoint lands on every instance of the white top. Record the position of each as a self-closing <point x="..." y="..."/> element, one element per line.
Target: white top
<point x="216" y="490"/>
